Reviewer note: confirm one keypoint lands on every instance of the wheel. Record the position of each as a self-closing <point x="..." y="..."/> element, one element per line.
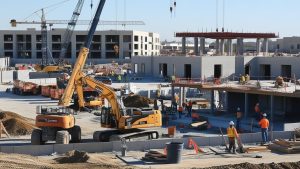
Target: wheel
<point x="75" y="134"/>
<point x="62" y="137"/>
<point x="36" y="137"/>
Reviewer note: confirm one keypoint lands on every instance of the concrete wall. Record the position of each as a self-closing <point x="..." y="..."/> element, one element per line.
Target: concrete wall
<point x="134" y="145"/>
<point x="6" y="76"/>
<point x="208" y="62"/>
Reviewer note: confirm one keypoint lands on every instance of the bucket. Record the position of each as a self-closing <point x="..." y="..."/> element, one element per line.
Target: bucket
<point x="174" y="152"/>
<point x="171" y="130"/>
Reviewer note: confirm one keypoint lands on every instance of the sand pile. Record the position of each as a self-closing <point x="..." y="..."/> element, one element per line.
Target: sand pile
<point x="285" y="165"/>
<point x="137" y="101"/>
<point x="73" y="156"/>
<point x="16" y="124"/>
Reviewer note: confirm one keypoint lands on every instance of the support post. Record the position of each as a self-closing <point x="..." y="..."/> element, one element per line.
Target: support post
<point x="217" y="46"/>
<point x="212" y="102"/>
<point x="222" y="47"/>
<point x="266" y="46"/>
<point x="196" y="46"/>
<point x="246" y="105"/>
<point x="202" y="46"/>
<point x="271" y="115"/>
<point x="183" y="45"/>
<point x="258" y="46"/>
<point x="229" y="44"/>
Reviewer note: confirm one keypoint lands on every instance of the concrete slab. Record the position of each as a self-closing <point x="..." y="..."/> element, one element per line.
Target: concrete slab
<point x="138" y="146"/>
<point x="158" y="144"/>
<point x="215" y="141"/>
<point x="63" y="148"/>
<point x="131" y="160"/>
<point x="201" y="141"/>
<point x="116" y="145"/>
<point x="88" y="147"/>
<point x="7" y="149"/>
<point x="28" y="149"/>
<point x="282" y="134"/>
<point x="46" y="149"/>
<point x="105" y="146"/>
<point x="183" y="140"/>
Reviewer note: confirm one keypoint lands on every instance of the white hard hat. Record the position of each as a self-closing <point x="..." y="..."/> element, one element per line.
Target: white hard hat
<point x="238" y="109"/>
<point x="265" y="115"/>
<point x="231" y="123"/>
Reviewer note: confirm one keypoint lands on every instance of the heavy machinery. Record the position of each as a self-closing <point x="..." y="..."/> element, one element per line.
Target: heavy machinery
<point x="57" y="123"/>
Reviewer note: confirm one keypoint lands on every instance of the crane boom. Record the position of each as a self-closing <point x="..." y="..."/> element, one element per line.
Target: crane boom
<point x="70" y="29"/>
<point x="77" y="70"/>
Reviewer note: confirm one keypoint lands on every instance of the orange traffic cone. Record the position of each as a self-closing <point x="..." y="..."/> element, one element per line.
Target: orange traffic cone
<point x="192" y="143"/>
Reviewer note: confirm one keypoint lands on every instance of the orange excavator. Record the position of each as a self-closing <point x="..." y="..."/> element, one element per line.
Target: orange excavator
<point x="58" y="122"/>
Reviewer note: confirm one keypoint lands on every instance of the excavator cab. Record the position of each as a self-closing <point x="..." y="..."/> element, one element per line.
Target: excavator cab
<point x="107" y="119"/>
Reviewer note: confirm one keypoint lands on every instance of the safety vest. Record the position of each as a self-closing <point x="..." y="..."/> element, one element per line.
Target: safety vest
<point x="190" y="104"/>
<point x="231" y="132"/>
<point x="264" y="123"/>
<point x="180" y="109"/>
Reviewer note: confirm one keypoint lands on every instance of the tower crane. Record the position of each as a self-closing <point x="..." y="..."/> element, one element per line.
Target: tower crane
<point x="48" y="66"/>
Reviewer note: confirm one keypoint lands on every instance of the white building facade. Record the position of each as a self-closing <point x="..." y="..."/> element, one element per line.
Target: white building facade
<point x="24" y="46"/>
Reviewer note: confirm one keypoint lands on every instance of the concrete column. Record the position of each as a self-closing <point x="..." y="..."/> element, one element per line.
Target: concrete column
<point x="229" y="47"/>
<point x="183" y="48"/>
<point x="196" y="48"/>
<point x="183" y="94"/>
<point x="266" y="46"/>
<point x="258" y="46"/>
<point x="271" y="116"/>
<point x="240" y="46"/>
<point x="246" y="105"/>
<point x="222" y="47"/>
<point x="121" y="47"/>
<point x="103" y="48"/>
<point x="212" y="101"/>
<point x="202" y="46"/>
<point x="217" y="47"/>
<point x="173" y="92"/>
<point x="180" y="96"/>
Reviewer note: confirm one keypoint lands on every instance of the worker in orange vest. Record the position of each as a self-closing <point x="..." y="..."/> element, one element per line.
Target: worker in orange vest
<point x="232" y="135"/>
<point x="264" y="125"/>
<point x="180" y="110"/>
<point x="238" y="118"/>
<point x="189" y="108"/>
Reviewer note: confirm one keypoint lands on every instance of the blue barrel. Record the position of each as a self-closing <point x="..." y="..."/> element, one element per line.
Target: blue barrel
<point x="174" y="152"/>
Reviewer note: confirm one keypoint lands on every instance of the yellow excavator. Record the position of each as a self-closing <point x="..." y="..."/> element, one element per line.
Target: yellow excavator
<point x="58" y="122"/>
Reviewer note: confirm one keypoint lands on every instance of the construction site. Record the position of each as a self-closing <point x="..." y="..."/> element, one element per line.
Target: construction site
<point x="86" y="100"/>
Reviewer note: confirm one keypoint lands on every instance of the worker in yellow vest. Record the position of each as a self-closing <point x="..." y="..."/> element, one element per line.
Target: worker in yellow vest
<point x="232" y="135"/>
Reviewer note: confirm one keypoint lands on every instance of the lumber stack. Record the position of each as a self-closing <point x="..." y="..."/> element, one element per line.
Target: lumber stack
<point x="155" y="156"/>
<point x="285" y="146"/>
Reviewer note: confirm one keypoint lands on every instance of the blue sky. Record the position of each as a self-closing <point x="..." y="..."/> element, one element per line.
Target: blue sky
<point x="278" y="16"/>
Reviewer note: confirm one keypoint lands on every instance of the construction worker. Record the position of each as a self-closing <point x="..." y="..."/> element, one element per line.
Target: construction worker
<point x="180" y="110"/>
<point x="119" y="77"/>
<point x="189" y="107"/>
<point x="264" y="125"/>
<point x="232" y="135"/>
<point x="238" y="118"/>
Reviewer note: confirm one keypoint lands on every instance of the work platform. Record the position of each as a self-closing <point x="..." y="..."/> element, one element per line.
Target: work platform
<point x="280" y="103"/>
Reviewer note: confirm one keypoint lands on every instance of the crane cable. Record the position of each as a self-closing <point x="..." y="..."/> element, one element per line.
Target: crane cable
<point x="47" y="7"/>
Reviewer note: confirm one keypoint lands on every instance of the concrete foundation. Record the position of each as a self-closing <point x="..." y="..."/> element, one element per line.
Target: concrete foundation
<point x="134" y="145"/>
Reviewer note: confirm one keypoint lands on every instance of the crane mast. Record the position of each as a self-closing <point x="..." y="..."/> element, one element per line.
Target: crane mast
<point x="69" y="30"/>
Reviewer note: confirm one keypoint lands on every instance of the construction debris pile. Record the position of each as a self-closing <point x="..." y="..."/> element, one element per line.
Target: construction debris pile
<point x="284" y="165"/>
<point x="137" y="101"/>
<point x="74" y="156"/>
<point x="285" y="146"/>
<point x="16" y="124"/>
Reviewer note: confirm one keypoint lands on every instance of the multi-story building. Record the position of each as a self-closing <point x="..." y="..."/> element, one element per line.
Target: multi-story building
<point x="286" y="45"/>
<point x="24" y="46"/>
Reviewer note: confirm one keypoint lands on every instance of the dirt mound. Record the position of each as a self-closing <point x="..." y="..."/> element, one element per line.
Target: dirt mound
<point x="284" y="165"/>
<point x="16" y="124"/>
<point x="74" y="156"/>
<point x="137" y="101"/>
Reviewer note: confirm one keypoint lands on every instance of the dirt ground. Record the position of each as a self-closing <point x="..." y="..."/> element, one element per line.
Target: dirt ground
<point x="99" y="161"/>
<point x="82" y="160"/>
